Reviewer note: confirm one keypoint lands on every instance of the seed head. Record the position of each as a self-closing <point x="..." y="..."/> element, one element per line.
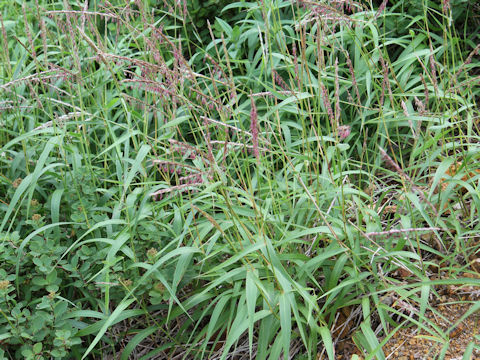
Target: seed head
<point x="328" y="105"/>
<point x="17" y="183"/>
<point x="344" y="131"/>
<point x="4" y="284"/>
<point x="159" y="287"/>
<point x="127" y="283"/>
<point x="151" y="253"/>
<point x="36" y="217"/>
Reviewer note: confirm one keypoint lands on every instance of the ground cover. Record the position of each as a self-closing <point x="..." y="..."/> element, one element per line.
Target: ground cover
<point x="230" y="180"/>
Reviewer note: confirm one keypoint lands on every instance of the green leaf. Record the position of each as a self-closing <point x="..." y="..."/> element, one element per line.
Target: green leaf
<point x="32" y="179"/>
<point x="285" y="322"/>
<point x="55" y="208"/>
<point x="136" y="340"/>
<point x="251" y="294"/>
<point x="118" y="142"/>
<point x="374" y="347"/>
<point x="37" y="348"/>
<point x="25" y="242"/>
<point x="239" y="326"/>
<point x="223" y="26"/>
<point x="327" y="341"/>
<point x="109" y="321"/>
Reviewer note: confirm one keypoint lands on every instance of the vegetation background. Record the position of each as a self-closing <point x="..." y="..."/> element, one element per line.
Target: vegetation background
<point x="230" y="180"/>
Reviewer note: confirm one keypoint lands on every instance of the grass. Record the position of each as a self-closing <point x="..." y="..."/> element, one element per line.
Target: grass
<point x="238" y="180"/>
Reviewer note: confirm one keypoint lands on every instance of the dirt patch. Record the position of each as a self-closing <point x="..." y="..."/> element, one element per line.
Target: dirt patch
<point x="414" y="343"/>
<point x="447" y="315"/>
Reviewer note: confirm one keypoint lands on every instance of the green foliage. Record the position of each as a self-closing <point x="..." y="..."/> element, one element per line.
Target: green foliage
<point x="34" y="322"/>
<point x="202" y="193"/>
<point x="202" y="12"/>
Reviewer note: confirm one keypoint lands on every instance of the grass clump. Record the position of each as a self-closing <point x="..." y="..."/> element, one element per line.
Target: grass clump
<point x="264" y="179"/>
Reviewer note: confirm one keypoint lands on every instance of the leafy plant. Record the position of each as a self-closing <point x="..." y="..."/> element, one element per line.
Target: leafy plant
<point x="255" y="178"/>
